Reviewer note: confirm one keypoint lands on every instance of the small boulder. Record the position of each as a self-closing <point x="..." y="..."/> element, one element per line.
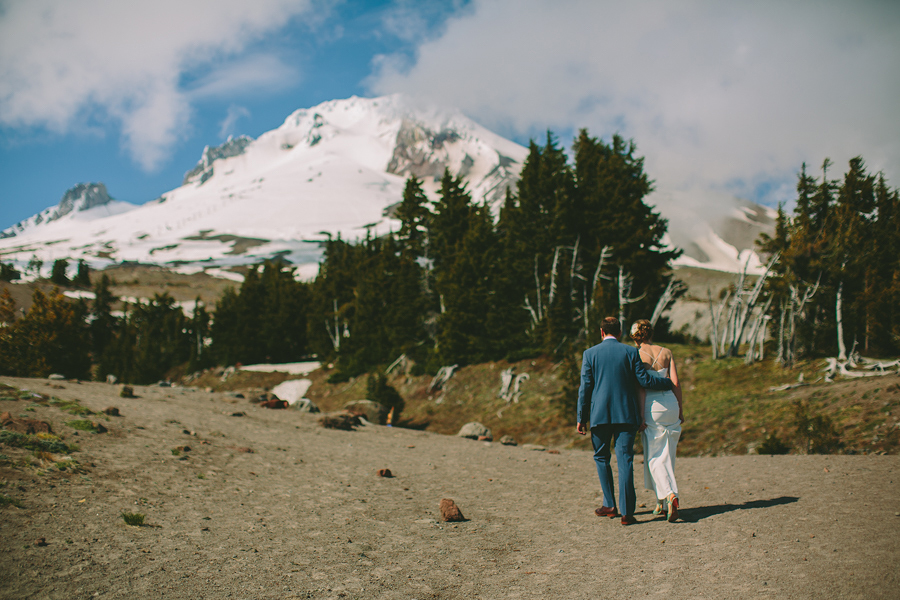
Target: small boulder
<point x="112" y="411"/>
<point x="305" y="405"/>
<point x="473" y="430"/>
<point x="40" y="542"/>
<point x="508" y="440"/>
<point x="385" y="473"/>
<point x="341" y="420"/>
<point x="371" y="411"/>
<point x="450" y="511"/>
<point x="534" y="447"/>
<point x="56" y="377"/>
<point x="27" y="426"/>
<point x="274" y="403"/>
<point x="264" y="397"/>
<point x="127" y="392"/>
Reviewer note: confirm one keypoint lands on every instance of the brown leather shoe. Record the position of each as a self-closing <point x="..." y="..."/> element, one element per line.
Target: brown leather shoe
<point x="606" y="511"/>
<point x="628" y="520"/>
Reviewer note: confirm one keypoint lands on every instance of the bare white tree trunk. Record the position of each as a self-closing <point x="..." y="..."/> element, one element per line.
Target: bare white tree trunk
<point x="552" y="276"/>
<point x="334" y="336"/>
<point x="625" y="281"/>
<point x="668" y="295"/>
<point x="604" y="254"/>
<point x="747" y="308"/>
<point x="839" y="319"/>
<point x="757" y="323"/>
<point x="716" y="315"/>
<point x="781" y="357"/>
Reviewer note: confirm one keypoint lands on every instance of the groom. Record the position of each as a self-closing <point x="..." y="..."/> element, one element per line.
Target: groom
<point x="610" y="374"/>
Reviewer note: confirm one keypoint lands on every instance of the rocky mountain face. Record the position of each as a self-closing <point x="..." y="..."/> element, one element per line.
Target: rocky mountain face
<point x="82" y="197"/>
<point x="204" y="169"/>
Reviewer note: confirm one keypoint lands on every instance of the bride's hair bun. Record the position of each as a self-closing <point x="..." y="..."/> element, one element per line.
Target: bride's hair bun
<point x="641" y="331"/>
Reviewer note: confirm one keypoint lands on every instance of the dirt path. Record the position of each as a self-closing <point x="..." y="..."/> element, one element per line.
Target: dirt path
<point x="305" y="515"/>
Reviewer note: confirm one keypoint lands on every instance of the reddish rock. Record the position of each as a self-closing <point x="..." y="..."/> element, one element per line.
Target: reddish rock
<point x="385" y="473"/>
<point x="450" y="512"/>
<point x="29" y="426"/>
<point x="245" y="449"/>
<point x="112" y="411"/>
<point x="98" y="427"/>
<point x="485" y="438"/>
<point x="40" y="542"/>
<point x="274" y="403"/>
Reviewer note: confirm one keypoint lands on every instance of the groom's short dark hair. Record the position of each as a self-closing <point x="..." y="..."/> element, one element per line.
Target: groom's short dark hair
<point x="611" y="326"/>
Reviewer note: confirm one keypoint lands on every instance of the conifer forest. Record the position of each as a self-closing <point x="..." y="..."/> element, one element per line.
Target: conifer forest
<point x="459" y="284"/>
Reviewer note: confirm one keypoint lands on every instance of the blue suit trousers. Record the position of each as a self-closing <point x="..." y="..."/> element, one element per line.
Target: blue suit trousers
<point x="620" y="435"/>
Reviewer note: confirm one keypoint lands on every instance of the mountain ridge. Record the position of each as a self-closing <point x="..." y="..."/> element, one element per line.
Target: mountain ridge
<point x="332" y="169"/>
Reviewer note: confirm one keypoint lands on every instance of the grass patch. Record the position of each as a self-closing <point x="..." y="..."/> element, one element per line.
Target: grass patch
<point x="6" y="501"/>
<point x="71" y="407"/>
<point x="133" y="519"/>
<point x="85" y="425"/>
<point x="81" y="425"/>
<point x="41" y="442"/>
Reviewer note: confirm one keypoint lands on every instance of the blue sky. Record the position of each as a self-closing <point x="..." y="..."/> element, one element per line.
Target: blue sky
<point x="728" y="97"/>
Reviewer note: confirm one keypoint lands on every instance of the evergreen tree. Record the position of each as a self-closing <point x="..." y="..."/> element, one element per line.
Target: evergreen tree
<point x="8" y="273"/>
<point x="103" y="324"/>
<point x="58" y="274"/>
<point x="83" y="276"/>
<point x="464" y="334"/>
<point x="413" y="215"/>
<point x="50" y="338"/>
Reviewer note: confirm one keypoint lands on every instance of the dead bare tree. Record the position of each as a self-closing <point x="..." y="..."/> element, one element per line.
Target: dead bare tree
<point x="798" y="299"/>
<point x="671" y="292"/>
<point x="746" y="308"/>
<point x="750" y="358"/>
<point x="839" y="314"/>
<point x="625" y="282"/>
<point x="715" y="313"/>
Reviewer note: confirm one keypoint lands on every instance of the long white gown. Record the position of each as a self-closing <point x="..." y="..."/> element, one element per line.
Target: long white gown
<point x="660" y="439"/>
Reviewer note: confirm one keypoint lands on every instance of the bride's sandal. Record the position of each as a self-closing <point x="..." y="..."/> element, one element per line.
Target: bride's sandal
<point x="660" y="508"/>
<point x="673" y="508"/>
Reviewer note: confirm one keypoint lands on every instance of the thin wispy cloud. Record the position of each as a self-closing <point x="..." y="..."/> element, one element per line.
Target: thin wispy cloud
<point x="65" y="65"/>
<point x="235" y="113"/>
<point x="718" y="96"/>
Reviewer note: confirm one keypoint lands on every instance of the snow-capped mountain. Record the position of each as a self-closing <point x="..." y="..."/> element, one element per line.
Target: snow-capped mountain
<point x="84" y="202"/>
<point x="334" y="169"/>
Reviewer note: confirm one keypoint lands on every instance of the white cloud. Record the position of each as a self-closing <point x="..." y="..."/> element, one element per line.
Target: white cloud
<point x="63" y="64"/>
<point x="234" y="113"/>
<point x="718" y="96"/>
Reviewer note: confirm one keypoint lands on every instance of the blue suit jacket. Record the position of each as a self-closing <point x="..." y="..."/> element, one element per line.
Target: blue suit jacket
<point x="610" y="375"/>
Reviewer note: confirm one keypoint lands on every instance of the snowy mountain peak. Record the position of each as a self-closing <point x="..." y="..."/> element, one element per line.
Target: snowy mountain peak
<point x="335" y="169"/>
<point x="204" y="169"/>
<point x="79" y="199"/>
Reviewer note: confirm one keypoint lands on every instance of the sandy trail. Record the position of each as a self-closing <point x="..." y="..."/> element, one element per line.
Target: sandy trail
<point x="305" y="515"/>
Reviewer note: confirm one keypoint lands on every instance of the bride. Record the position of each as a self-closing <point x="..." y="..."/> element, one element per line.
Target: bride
<point x="661" y="416"/>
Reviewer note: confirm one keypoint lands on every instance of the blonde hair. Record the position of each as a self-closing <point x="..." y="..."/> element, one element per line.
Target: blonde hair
<point x="641" y="331"/>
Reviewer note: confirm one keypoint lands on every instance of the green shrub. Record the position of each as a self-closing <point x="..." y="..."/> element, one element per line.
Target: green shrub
<point x="773" y="445"/>
<point x="133" y="519"/>
<point x="6" y="501"/>
<point x="46" y="443"/>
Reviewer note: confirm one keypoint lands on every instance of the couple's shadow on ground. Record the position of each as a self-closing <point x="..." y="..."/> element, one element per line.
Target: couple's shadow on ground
<point x="696" y="513"/>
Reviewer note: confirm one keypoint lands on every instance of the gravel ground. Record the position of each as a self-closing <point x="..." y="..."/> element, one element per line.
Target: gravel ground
<point x="305" y="515"/>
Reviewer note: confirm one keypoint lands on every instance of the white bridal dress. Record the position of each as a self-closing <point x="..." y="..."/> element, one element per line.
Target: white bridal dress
<point x="660" y="439"/>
